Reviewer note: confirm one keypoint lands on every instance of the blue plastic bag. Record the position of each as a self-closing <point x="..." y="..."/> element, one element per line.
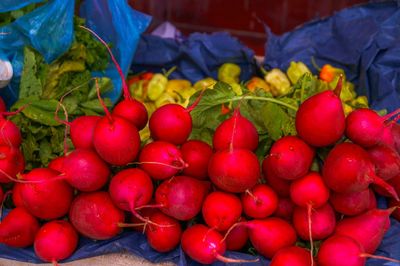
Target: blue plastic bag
<point x="196" y="57"/>
<point x="117" y="23"/>
<point x="48" y="29"/>
<point x="364" y="41"/>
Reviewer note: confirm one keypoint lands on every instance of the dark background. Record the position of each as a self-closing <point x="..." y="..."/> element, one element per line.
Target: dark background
<point x="239" y="17"/>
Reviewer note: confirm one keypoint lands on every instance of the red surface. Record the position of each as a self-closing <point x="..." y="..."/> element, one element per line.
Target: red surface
<point x="242" y="18"/>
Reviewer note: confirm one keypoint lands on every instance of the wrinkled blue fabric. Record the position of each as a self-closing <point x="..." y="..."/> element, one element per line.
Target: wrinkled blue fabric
<point x="117" y="23"/>
<point x="364" y="41"/>
<point x="198" y="56"/>
<point x="48" y="29"/>
<point x="10" y="5"/>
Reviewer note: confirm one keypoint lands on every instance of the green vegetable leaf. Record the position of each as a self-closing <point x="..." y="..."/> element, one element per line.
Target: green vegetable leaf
<point x="30" y="84"/>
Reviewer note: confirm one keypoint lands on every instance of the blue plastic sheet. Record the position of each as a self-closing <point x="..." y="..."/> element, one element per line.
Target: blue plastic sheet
<point x="117" y="23"/>
<point x="196" y="57"/>
<point x="364" y="41"/>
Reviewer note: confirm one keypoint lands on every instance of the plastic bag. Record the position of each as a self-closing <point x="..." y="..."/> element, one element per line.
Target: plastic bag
<point x="48" y="29"/>
<point x="117" y="23"/>
<point x="196" y="57"/>
<point x="364" y="41"/>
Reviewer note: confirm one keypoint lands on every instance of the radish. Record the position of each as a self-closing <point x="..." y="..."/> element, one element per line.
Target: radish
<point x="221" y="210"/>
<point x="236" y="238"/>
<point x="259" y="202"/>
<point x="291" y="256"/>
<point x="55" y="241"/>
<point x="166" y="237"/>
<point x="18" y="228"/>
<point x="234" y="170"/>
<point x="181" y="197"/>
<point x="129" y="108"/>
<point x="11" y="163"/>
<point x="285" y="209"/>
<point x="339" y="250"/>
<point x="161" y="160"/>
<point x="44" y="195"/>
<point x="16" y="195"/>
<point x="366" y="128"/>
<point x="348" y="168"/>
<point x="137" y="224"/>
<point x="280" y="186"/>
<point x="57" y="164"/>
<point x="205" y="245"/>
<point x="395" y="130"/>
<point x="387" y="137"/>
<point x="196" y="154"/>
<point x="81" y="131"/>
<point x="323" y="222"/>
<point x="85" y="170"/>
<point x="95" y="216"/>
<point x="352" y="203"/>
<point x="290" y="157"/>
<point x="237" y="131"/>
<point x="386" y="161"/>
<point x="367" y="228"/>
<point x="270" y="235"/>
<point x="131" y="188"/>
<point x="10" y="135"/>
<point x="320" y="120"/>
<point x="116" y="140"/>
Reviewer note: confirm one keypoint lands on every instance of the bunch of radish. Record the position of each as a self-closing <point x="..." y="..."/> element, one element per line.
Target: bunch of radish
<point x="210" y="199"/>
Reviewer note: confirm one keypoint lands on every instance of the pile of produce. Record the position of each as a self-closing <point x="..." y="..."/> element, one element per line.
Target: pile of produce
<point x="286" y="167"/>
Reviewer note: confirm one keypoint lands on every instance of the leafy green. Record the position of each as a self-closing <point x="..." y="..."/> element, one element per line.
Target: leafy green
<point x="43" y="86"/>
<point x="271" y="116"/>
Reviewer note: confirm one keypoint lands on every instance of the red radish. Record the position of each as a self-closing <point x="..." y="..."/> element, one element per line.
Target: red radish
<point x="133" y="111"/>
<point x="11" y="163"/>
<point x="10" y="135"/>
<point x="291" y="158"/>
<point x="280" y="186"/>
<point x="57" y="164"/>
<point x="367" y="228"/>
<point x="181" y="197"/>
<point x="237" y="131"/>
<point x="196" y="154"/>
<point x="205" y="245"/>
<point x="234" y="170"/>
<point x="131" y="188"/>
<point x="323" y="222"/>
<point x="81" y="131"/>
<point x="237" y="238"/>
<point x="291" y="256"/>
<point x="352" y="203"/>
<point x="44" y="195"/>
<point x="364" y="127"/>
<point x="259" y="202"/>
<point x="18" y="228"/>
<point x="95" y="216"/>
<point x="348" y="168"/>
<point x="309" y="190"/>
<point x="221" y="210"/>
<point x="3" y="107"/>
<point x="270" y="235"/>
<point x="161" y="160"/>
<point x="55" y="241"/>
<point x="340" y="251"/>
<point x="386" y="161"/>
<point x="85" y="170"/>
<point x="137" y="224"/>
<point x="387" y="137"/>
<point x="320" y="120"/>
<point x="395" y="130"/>
<point x="1" y="196"/>
<point x="396" y="212"/>
<point x="129" y="108"/>
<point x="285" y="209"/>
<point x="394" y="182"/>
<point x="166" y="237"/>
<point x="16" y="195"/>
<point x="116" y="140"/>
